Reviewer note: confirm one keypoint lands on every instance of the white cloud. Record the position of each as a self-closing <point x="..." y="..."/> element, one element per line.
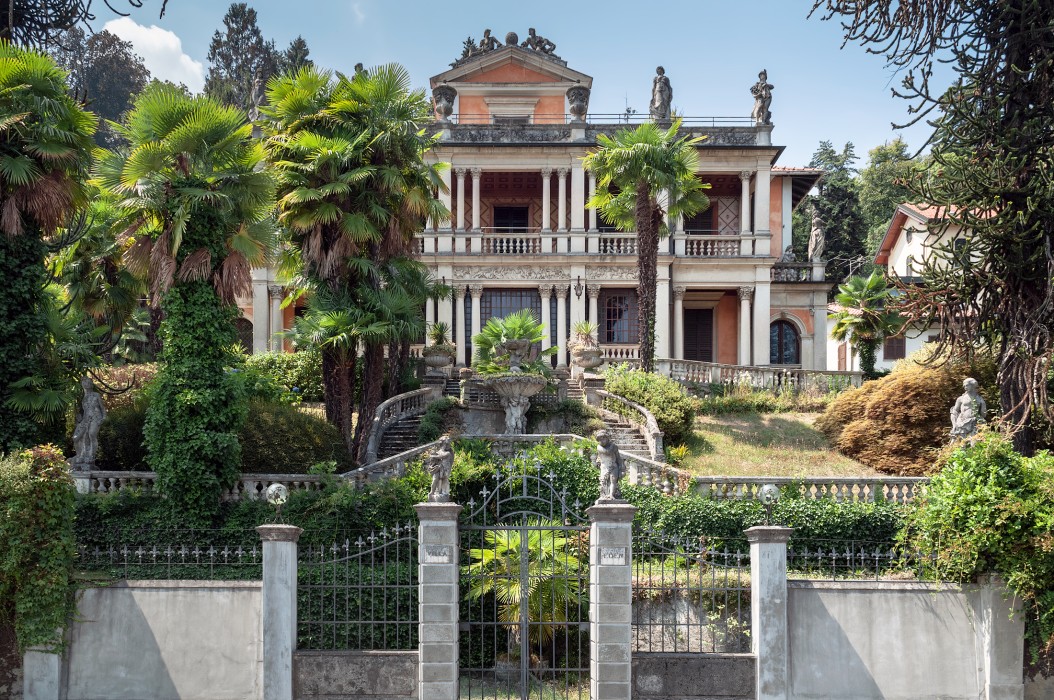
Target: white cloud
<point x="162" y="52"/>
<point x="360" y="16"/>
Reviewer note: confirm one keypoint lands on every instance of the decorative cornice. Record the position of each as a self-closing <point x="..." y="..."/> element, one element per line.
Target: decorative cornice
<point x="611" y="272"/>
<point x="496" y="272"/>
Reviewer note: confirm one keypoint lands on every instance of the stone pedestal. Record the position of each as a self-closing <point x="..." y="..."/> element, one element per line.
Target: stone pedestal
<point x="768" y="609"/>
<point x="279" y="609"/>
<point x="437" y="674"/>
<point x="610" y="600"/>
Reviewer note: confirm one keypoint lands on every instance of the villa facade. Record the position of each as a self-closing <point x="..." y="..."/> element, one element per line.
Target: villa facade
<point x="512" y="121"/>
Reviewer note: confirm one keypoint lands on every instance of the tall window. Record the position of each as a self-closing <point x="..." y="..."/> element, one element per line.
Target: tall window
<point x="618" y="316"/>
<point x="498" y="303"/>
<point x="784" y="344"/>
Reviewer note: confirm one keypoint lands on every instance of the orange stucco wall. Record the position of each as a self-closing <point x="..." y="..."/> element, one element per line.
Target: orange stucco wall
<point x="801" y="315"/>
<point x="473" y="110"/>
<point x="549" y="110"/>
<point x="726" y="318"/>
<point x="508" y="73"/>
<point x="776" y="216"/>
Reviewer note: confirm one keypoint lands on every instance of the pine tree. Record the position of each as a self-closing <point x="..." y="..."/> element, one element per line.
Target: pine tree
<point x="239" y="56"/>
<point x="295" y="56"/>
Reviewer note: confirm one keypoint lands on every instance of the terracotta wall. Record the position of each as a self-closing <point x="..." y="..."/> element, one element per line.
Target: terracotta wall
<point x="726" y="319"/>
<point x="776" y="216"/>
<point x="508" y="73"/>
<point x="472" y="110"/>
<point x="549" y="110"/>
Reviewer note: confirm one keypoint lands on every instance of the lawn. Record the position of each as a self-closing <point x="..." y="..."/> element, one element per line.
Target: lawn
<point x="771" y="444"/>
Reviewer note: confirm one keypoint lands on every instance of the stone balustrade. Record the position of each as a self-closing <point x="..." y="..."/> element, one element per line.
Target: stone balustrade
<point x="627" y="353"/>
<point x="248" y="487"/>
<point x="639" y="415"/>
<point x="412" y="403"/>
<point x="774" y="377"/>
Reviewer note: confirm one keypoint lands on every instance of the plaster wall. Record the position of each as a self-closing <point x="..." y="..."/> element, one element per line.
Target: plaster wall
<point x="891" y="640"/>
<point x="166" y="640"/>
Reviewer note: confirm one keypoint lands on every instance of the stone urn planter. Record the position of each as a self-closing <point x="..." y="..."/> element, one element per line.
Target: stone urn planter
<point x="515" y="392"/>
<point x="436" y="359"/>
<point x="587" y="358"/>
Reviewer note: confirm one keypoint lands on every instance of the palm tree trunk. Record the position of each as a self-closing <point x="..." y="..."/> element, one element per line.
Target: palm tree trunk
<point x="372" y="395"/>
<point x="647" y="261"/>
<point x="338" y="385"/>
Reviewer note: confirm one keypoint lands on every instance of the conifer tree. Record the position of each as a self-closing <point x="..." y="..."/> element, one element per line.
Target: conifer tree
<point x="239" y="58"/>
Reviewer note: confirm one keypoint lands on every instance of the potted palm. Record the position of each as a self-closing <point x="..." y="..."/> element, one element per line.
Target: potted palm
<point x="585" y="351"/>
<point x="440" y="352"/>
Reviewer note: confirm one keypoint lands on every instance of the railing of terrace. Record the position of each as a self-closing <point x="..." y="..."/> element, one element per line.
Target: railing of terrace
<point x="773" y="377"/>
<point x="248" y="487"/>
<point x="616" y="244"/>
<point x="627" y="353"/>
<point x="708" y="246"/>
<point x="412" y="403"/>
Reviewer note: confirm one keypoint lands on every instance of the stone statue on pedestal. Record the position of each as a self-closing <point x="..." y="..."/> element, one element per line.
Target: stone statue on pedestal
<point x="439" y="465"/>
<point x="661" y="96"/>
<point x="538" y="43"/>
<point x="968" y="410"/>
<point x="488" y="42"/>
<point x="443" y="97"/>
<point x="816" y="237"/>
<point x="90" y="416"/>
<point x="578" y="102"/>
<point x="609" y="459"/>
<point x="762" y="92"/>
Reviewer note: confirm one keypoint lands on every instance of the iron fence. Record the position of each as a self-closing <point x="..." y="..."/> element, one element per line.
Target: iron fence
<point x="688" y="597"/>
<point x="193" y="562"/>
<point x="359" y="594"/>
<point x="847" y="559"/>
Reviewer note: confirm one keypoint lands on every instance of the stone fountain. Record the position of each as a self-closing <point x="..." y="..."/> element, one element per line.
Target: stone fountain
<point x="516" y="388"/>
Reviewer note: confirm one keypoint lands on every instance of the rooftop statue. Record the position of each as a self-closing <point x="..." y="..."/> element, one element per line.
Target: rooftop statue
<point x="488" y="42"/>
<point x="538" y="43"/>
<point x="816" y="237"/>
<point x="762" y="92"/>
<point x="661" y="96"/>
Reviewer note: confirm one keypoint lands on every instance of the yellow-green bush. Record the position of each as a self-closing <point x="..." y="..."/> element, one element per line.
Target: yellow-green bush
<point x="898" y="423"/>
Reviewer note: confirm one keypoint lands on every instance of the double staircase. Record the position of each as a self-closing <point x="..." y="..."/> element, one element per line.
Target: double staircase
<point x="399" y="437"/>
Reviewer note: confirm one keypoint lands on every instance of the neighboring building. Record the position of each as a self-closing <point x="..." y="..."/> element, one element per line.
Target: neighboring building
<point x="902" y="252"/>
<point x="512" y="122"/>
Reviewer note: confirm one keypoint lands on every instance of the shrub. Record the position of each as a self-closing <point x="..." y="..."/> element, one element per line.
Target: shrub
<point x="990" y="510"/>
<point x="897" y="424"/>
<point x="122" y="386"/>
<point x="37" y="502"/>
<point x="668" y="401"/>
<point x="438" y="420"/>
<point x="281" y="439"/>
<point x="293" y="370"/>
<point x="121" y="438"/>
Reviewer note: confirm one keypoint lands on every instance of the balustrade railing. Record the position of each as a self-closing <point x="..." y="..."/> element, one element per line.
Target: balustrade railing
<point x="248" y="487"/>
<point x="412" y="403"/>
<point x="641" y="416"/>
<point x="709" y="246"/>
<point x="773" y="377"/>
<point x="617" y="244"/>
<point x="614" y="353"/>
<point x="791" y="272"/>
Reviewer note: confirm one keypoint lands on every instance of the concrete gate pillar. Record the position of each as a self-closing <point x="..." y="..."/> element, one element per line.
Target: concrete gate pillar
<point x="768" y="610"/>
<point x="437" y="674"/>
<point x="610" y="600"/>
<point x="279" y="609"/>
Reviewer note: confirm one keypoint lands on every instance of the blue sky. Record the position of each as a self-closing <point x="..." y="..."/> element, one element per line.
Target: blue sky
<point x="712" y="51"/>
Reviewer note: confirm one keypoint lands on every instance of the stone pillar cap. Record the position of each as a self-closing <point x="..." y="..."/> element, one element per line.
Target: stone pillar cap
<point x="438" y="511"/>
<point x="611" y="511"/>
<point x="766" y="534"/>
<point x="279" y="533"/>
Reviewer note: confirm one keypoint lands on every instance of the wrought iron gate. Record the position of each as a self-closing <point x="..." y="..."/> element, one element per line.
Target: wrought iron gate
<point x="524" y="587"/>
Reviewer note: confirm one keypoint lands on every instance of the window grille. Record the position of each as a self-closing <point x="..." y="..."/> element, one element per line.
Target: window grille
<point x="620" y="324"/>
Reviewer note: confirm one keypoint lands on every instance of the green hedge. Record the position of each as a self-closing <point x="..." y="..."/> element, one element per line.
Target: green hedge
<point x="674" y="409"/>
<point x="299" y="372"/>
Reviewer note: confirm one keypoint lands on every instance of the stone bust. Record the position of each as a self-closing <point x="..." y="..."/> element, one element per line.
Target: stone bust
<point x="90" y="416"/>
<point x="612" y="467"/>
<point x="968" y="411"/>
<point x="661" y="96"/>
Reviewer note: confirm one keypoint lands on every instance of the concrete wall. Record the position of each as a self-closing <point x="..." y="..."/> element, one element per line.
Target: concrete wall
<point x="892" y="640"/>
<point x="166" y="640"/>
<point x="701" y="676"/>
<point x="351" y="675"/>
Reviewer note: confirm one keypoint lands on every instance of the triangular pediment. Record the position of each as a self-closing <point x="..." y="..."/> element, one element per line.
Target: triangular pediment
<point x="512" y="64"/>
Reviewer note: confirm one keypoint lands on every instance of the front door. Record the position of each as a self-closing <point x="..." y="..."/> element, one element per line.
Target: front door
<point x="699" y="334"/>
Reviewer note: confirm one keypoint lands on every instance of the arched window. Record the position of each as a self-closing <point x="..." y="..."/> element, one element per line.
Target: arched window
<point x="245" y="334"/>
<point x="784" y="344"/>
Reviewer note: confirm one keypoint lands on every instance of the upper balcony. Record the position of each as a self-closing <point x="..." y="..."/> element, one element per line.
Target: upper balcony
<point x="485" y="129"/>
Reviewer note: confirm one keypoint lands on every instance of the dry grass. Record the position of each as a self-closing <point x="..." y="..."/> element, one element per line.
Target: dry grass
<point x="781" y="444"/>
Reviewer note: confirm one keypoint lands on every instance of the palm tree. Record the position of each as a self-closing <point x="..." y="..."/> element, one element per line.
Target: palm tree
<point x="45" y="153"/>
<point x="353" y="189"/>
<point x="194" y="210"/>
<point x="862" y="316"/>
<point x="633" y="168"/>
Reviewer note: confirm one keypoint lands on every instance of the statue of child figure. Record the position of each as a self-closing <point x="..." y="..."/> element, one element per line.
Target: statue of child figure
<point x="612" y="467"/>
<point x="968" y="411"/>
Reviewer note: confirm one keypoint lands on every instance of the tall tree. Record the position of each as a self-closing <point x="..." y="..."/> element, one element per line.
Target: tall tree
<point x="883" y="184"/>
<point x="993" y="152"/>
<point x="633" y="168"/>
<point x="241" y="61"/>
<point x="295" y="56"/>
<point x="197" y="206"/>
<point x="838" y="202"/>
<point x="353" y="190"/>
<point x="45" y="152"/>
<point x="104" y="70"/>
<point x="33" y="23"/>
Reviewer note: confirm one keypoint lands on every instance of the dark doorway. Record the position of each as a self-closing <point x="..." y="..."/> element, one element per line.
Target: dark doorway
<point x="511" y="219"/>
<point x="699" y="334"/>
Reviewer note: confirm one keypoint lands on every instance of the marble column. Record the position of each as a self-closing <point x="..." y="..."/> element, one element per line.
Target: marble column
<point x="561" y="200"/>
<point x="561" y="323"/>
<point x="590" y="193"/>
<point x="547" y="199"/>
<point x="746" y="245"/>
<point x="746" y="294"/>
<point x="762" y="319"/>
<point x="545" y="291"/>
<point x="476" y="290"/>
<point x="275" y="294"/>
<point x="261" y="310"/>
<point x="477" y="173"/>
<point x="578" y="200"/>
<point x="762" y="207"/>
<point x="819" y="333"/>
<point x="678" y="322"/>
<point x="460" y="172"/>
<point x="430" y="315"/>
<point x="593" y="291"/>
<point x="461" y="356"/>
<point x="662" y="313"/>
